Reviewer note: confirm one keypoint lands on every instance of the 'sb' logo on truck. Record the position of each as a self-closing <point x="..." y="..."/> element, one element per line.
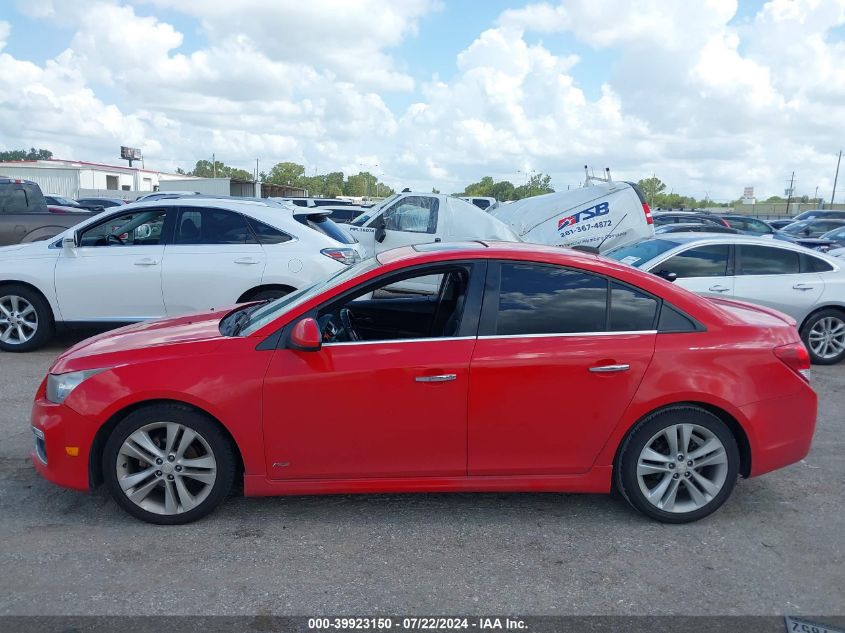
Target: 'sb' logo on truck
<point x="603" y="208"/>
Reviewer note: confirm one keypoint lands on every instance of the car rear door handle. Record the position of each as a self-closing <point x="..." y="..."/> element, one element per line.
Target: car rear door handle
<point x="146" y="262"/>
<point x="802" y="287"/>
<point x="247" y="260"/>
<point x="718" y="288"/>
<point x="438" y="378"/>
<point x="607" y="369"/>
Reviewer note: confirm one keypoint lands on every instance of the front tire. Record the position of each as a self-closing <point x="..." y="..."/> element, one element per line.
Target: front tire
<point x="678" y="465"/>
<point x="26" y="319"/>
<point x="168" y="464"/>
<point x="824" y="336"/>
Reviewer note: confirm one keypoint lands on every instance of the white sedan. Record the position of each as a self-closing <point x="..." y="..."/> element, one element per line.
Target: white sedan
<point x="163" y="258"/>
<point x="805" y="284"/>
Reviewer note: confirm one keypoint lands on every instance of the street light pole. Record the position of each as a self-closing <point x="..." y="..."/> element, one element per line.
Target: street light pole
<point x="835" y="178"/>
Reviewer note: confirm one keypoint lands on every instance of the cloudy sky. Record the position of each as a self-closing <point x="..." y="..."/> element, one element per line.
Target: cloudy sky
<point x="710" y="95"/>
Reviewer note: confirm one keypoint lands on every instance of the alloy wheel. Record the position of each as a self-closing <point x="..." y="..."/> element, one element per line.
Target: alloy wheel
<point x="166" y="468"/>
<point x="682" y="468"/>
<point x="827" y="337"/>
<point x="18" y="320"/>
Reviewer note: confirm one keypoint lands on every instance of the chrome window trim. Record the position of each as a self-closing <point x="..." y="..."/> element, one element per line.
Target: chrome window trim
<point x="403" y="340"/>
<point x="567" y="334"/>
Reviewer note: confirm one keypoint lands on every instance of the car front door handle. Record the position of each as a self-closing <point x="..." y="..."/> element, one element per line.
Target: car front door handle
<point x="438" y="378"/>
<point x="146" y="262"/>
<point x="718" y="288"/>
<point x="608" y="369"/>
<point x="802" y="287"/>
<point x="247" y="261"/>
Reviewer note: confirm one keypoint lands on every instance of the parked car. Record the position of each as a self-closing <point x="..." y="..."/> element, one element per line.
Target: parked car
<point x="482" y="202"/>
<point x="820" y="214"/>
<point x="748" y="225"/>
<point x="813" y="228"/>
<point x="61" y="201"/>
<point x="103" y="202"/>
<point x="694" y="228"/>
<point x="57" y="208"/>
<point x="806" y="285"/>
<point x="343" y="214"/>
<point x="780" y="224"/>
<point x="835" y="238"/>
<point x="166" y="257"/>
<point x="687" y="217"/>
<point x="669" y="397"/>
<point x="24" y="215"/>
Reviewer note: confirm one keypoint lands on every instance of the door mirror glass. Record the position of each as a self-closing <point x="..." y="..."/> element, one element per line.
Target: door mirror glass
<point x="667" y="275"/>
<point x="305" y="336"/>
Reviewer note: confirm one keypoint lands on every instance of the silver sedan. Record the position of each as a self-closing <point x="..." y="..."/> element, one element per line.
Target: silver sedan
<point x="805" y="284"/>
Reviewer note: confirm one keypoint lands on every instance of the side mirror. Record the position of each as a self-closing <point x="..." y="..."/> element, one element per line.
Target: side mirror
<point x="305" y="336"/>
<point x="807" y="231"/>
<point x="381" y="233"/>
<point x="668" y="276"/>
<point x="70" y="241"/>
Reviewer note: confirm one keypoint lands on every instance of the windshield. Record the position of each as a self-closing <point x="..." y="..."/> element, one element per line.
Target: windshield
<point x="639" y="253"/>
<point x="65" y="201"/>
<point x="373" y="211"/>
<point x="274" y="309"/>
<point x="797" y="227"/>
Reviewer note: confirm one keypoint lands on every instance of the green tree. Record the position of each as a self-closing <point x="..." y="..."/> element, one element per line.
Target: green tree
<point x="205" y="169"/>
<point x="652" y="187"/>
<point x="285" y="173"/>
<point x="537" y="185"/>
<point x="22" y="154"/>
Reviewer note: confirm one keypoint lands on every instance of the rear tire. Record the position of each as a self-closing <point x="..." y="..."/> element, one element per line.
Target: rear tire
<point x="168" y="464"/>
<point x="824" y="336"/>
<point x="678" y="465"/>
<point x="26" y="319"/>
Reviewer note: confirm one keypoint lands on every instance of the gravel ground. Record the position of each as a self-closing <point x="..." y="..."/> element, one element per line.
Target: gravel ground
<point x="775" y="547"/>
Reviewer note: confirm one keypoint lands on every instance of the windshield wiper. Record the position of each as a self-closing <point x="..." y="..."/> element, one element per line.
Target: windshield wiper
<point x="237" y="321"/>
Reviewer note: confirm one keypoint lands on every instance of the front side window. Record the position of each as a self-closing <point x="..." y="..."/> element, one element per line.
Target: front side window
<point x="768" y="260"/>
<point x="414" y="214"/>
<point x="701" y="261"/>
<point x="379" y="313"/>
<point x="537" y="299"/>
<point x="212" y="226"/>
<point x="140" y="228"/>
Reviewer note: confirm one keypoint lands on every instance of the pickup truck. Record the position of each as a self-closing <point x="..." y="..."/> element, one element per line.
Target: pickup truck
<point x="24" y="216"/>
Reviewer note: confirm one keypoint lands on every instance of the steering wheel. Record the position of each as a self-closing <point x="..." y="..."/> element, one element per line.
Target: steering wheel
<point x="346" y="320"/>
<point x="113" y="236"/>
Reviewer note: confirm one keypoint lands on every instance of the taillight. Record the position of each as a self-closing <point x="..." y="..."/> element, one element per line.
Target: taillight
<point x="796" y="357"/>
<point x="346" y="256"/>
<point x="647" y="211"/>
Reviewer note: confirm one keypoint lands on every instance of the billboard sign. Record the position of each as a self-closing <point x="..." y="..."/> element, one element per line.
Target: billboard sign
<point x="130" y="153"/>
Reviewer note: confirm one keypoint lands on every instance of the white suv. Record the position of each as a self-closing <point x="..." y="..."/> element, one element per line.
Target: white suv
<point x="163" y="258"/>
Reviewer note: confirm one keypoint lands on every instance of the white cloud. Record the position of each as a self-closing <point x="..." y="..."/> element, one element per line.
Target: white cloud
<point x="707" y="102"/>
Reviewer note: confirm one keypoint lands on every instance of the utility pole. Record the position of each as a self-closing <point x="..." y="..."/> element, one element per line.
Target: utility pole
<point x="835" y="178"/>
<point x="213" y="166"/>
<point x="789" y="192"/>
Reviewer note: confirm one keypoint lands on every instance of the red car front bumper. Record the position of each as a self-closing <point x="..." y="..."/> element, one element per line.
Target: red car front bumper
<point x="63" y="441"/>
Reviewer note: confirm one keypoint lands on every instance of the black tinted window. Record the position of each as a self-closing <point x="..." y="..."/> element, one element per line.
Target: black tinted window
<point x="212" y="226"/>
<point x="671" y="320"/>
<point x="12" y="199"/>
<point x="137" y="228"/>
<point x="322" y="224"/>
<point x="630" y="309"/>
<point x="815" y="265"/>
<point x="767" y="260"/>
<point x="266" y="234"/>
<point x="537" y="299"/>
<point x="702" y="261"/>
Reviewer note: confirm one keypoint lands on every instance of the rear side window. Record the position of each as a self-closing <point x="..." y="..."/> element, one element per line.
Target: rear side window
<point x="267" y="234"/>
<point x="767" y="260"/>
<point x="630" y="309"/>
<point x="672" y="320"/>
<point x="701" y="261"/>
<point x="815" y="265"/>
<point x="536" y="299"/>
<point x="12" y="199"/>
<point x="212" y="226"/>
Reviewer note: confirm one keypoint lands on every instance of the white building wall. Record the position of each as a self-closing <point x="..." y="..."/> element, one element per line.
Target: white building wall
<point x="57" y="180"/>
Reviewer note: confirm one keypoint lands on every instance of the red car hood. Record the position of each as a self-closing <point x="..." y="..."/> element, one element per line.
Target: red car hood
<point x="160" y="337"/>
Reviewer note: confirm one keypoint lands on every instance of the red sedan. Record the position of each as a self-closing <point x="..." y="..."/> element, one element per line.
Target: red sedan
<point x="444" y="367"/>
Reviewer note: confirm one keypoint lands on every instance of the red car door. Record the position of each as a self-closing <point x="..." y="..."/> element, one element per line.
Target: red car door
<point x="377" y="408"/>
<point x="560" y="355"/>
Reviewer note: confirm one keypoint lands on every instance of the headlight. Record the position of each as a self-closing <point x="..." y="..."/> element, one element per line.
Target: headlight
<point x="59" y="386"/>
